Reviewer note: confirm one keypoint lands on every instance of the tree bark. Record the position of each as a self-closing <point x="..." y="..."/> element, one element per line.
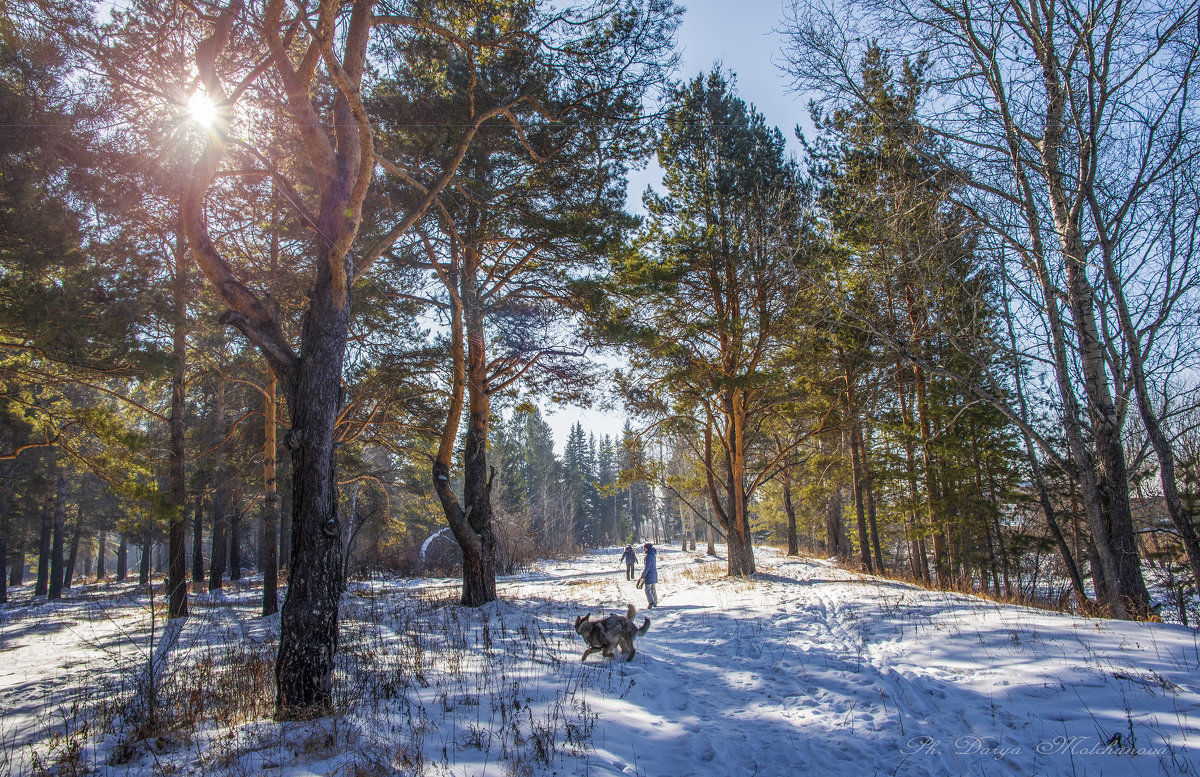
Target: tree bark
<point x="1163" y="451"/>
<point x="235" y="540"/>
<point x="42" y="584"/>
<point x="270" y="547"/>
<point x="123" y="557"/>
<point x="869" y="495"/>
<point x="16" y="575"/>
<point x="937" y="528"/>
<point x="833" y="523"/>
<point x="101" y="549"/>
<point x="1112" y="519"/>
<point x="177" y="528"/>
<point x="731" y="511"/>
<point x="219" y="508"/>
<point x="147" y="549"/>
<point x="73" y="556"/>
<point x="470" y="522"/>
<point x="789" y="508"/>
<point x="6" y="493"/>
<point x="60" y="526"/>
<point x="198" y="539"/>
<point x="309" y="617"/>
<point x="856" y="468"/>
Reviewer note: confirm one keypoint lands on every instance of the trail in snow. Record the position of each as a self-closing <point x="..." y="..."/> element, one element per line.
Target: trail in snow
<point x="809" y="666"/>
<point x="806" y="668"/>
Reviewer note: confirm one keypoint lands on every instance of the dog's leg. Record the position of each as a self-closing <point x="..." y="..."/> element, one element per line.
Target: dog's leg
<point x="587" y="653"/>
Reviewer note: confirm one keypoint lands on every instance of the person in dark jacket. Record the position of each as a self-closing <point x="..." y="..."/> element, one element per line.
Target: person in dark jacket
<point x="649" y="576"/>
<point x="630" y="559"/>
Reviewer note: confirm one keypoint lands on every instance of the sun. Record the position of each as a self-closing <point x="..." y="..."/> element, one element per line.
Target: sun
<point x="202" y="110"/>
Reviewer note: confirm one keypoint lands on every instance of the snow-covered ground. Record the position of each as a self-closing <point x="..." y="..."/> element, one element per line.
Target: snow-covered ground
<point x="806" y="668"/>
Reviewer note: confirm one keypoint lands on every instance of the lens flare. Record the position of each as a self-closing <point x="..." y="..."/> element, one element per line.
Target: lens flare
<point x="202" y="110"/>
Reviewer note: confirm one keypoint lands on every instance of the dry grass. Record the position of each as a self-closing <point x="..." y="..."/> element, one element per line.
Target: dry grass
<point x="422" y="687"/>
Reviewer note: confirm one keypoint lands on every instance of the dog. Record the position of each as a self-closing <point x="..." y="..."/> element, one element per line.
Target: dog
<point x="610" y="632"/>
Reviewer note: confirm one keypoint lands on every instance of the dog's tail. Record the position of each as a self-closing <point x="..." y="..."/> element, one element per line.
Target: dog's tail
<point x="644" y="628"/>
<point x="632" y="611"/>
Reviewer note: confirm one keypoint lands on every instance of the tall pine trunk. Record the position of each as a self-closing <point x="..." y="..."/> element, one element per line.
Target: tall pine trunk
<point x="73" y="555"/>
<point x="470" y="520"/>
<point x="101" y="550"/>
<point x="309" y="617"/>
<point x="177" y="526"/>
<point x="198" y="540"/>
<point x="6" y="494"/>
<point x="218" y="558"/>
<point x="60" y="524"/>
<point x="235" y="540"/>
<point x="16" y="575"/>
<point x="270" y="532"/>
<point x="42" y="584"/>
<point x="147" y="550"/>
<point x="123" y="557"/>
<point x="790" y="509"/>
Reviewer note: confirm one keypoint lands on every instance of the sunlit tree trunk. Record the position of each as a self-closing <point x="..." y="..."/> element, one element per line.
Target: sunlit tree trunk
<point x="177" y="525"/>
<point x="270" y="532"/>
<point x="42" y="584"/>
<point x="60" y="526"/>
<point x="219" y="506"/>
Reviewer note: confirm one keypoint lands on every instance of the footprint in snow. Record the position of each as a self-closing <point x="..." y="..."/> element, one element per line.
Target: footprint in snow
<point x="702" y="749"/>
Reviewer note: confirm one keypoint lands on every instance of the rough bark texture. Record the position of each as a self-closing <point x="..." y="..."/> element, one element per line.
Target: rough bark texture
<point x="144" y="559"/>
<point x="219" y="507"/>
<point x="856" y="471"/>
<point x="16" y="575"/>
<point x="6" y="492"/>
<point x="73" y="555"/>
<point x="56" y="552"/>
<point x="198" y="541"/>
<point x="789" y="508"/>
<point x="177" y="527"/>
<point x="309" y="618"/>
<point x="123" y="557"/>
<point x="728" y="498"/>
<point x="42" y="584"/>
<point x="101" y="551"/>
<point x="270" y="533"/>
<point x="1103" y="477"/>
<point x="235" y="542"/>
<point x="60" y="516"/>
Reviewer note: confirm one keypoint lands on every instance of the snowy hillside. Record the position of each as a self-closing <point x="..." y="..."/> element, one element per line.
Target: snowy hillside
<point x="805" y="669"/>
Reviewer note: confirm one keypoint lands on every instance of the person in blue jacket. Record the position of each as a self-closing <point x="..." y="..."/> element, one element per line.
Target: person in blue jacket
<point x="630" y="559"/>
<point x="649" y="576"/>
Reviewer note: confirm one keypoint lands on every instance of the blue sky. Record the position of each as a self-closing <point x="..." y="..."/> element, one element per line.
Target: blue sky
<point x="740" y="36"/>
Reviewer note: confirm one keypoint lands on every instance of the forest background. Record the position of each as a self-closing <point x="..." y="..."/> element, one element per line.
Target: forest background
<point x="285" y="289"/>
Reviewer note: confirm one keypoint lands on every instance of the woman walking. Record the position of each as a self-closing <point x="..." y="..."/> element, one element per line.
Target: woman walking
<point x="630" y="559"/>
<point x="649" y="576"/>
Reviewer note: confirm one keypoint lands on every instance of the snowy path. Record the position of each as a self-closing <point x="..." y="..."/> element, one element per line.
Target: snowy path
<point x="804" y="669"/>
<point x="810" y="666"/>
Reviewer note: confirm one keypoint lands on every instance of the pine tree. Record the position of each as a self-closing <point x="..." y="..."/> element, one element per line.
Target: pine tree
<point x="707" y="300"/>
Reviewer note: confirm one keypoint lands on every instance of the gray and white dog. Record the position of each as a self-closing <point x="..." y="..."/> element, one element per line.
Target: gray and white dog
<point x="610" y="632"/>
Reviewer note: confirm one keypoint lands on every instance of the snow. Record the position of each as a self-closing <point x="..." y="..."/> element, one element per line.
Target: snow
<point x="805" y="668"/>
